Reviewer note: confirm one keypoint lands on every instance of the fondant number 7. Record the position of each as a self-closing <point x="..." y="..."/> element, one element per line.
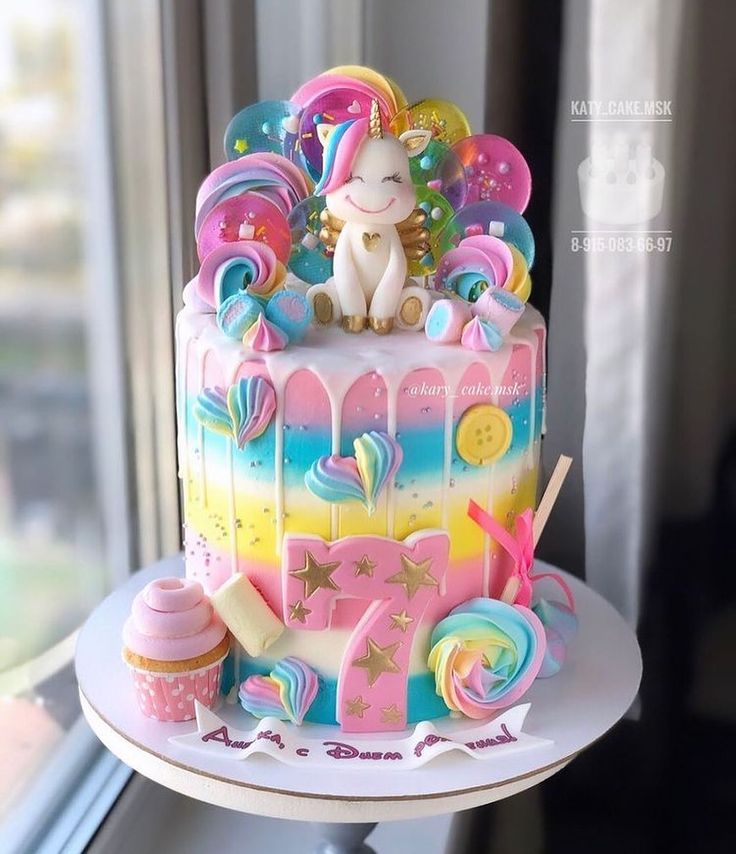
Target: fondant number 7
<point x="399" y="579"/>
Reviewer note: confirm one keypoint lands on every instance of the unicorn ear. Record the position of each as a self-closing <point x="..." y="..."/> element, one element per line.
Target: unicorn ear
<point x="324" y="132"/>
<point x="415" y="141"/>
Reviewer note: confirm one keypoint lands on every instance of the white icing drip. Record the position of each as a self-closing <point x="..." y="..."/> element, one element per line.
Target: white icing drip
<point x="336" y="426"/>
<point x="200" y="436"/>
<point x="543" y="382"/>
<point x="392" y="392"/>
<point x="447" y="464"/>
<point x="232" y="510"/>
<point x="486" y="577"/>
<point x="341" y="358"/>
<point x="182" y="433"/>
<point x="532" y="403"/>
<point x="278" y="467"/>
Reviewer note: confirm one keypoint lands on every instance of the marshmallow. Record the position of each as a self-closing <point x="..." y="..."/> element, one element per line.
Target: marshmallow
<point x="245" y="612"/>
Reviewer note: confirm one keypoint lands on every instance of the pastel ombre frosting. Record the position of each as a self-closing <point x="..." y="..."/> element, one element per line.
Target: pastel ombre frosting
<point x="485" y="656"/>
<point x="287" y="693"/>
<point x="172" y="620"/>
<point x="329" y="391"/>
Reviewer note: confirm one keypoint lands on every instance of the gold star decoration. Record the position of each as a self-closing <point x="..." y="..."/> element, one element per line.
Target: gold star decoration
<point x="356" y="707"/>
<point x="297" y="611"/>
<point x="391" y="714"/>
<point x="364" y="566"/>
<point x="241" y="145"/>
<point x="316" y="575"/>
<point x="401" y="620"/>
<point x="413" y="575"/>
<point x="378" y="660"/>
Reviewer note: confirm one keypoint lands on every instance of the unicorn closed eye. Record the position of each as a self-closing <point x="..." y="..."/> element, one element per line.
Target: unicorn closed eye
<point x="370" y="218"/>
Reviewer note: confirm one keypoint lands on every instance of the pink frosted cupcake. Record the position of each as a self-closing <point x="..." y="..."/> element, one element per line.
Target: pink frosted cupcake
<point x="174" y="645"/>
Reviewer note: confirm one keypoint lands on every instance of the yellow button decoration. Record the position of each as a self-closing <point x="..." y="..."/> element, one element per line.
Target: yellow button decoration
<point x="483" y="434"/>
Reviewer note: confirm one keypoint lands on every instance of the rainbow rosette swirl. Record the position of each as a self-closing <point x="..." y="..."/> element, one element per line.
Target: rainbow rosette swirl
<point x="242" y="266"/>
<point x="287" y="693"/>
<point x="485" y="655"/>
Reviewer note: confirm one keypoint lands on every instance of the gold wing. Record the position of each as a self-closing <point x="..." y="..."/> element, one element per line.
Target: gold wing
<point x="414" y="236"/>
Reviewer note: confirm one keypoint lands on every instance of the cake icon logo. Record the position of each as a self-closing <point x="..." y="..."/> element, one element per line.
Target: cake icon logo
<point x="621" y="183"/>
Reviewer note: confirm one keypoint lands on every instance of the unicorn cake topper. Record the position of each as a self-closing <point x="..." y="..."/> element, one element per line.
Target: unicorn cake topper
<point x="372" y="221"/>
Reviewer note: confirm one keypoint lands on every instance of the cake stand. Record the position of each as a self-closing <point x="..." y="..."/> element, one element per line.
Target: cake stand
<point x="575" y="708"/>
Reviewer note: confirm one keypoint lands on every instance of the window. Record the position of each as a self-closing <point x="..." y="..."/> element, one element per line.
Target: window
<point x="75" y="428"/>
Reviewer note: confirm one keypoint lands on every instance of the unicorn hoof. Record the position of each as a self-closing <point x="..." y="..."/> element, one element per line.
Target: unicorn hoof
<point x="381" y="325"/>
<point x="413" y="307"/>
<point x="323" y="311"/>
<point x="353" y="322"/>
<point x="411" y="311"/>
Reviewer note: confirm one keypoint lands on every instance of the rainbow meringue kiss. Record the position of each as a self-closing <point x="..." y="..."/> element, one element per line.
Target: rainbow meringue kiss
<point x="287" y="693"/>
<point x="485" y="655"/>
<point x="242" y="413"/>
<point x="360" y="478"/>
<point x="264" y="336"/>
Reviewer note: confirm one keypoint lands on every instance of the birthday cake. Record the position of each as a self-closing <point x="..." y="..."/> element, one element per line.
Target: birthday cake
<point x="360" y="396"/>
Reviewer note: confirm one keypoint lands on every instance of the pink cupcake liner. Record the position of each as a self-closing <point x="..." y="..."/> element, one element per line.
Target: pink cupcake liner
<point x="171" y="696"/>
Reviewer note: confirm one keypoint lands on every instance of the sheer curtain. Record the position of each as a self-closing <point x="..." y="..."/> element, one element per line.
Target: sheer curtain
<point x="638" y="361"/>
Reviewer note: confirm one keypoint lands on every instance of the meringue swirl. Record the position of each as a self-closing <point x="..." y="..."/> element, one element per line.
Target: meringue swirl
<point x="242" y="413"/>
<point x="287" y="693"/>
<point x="485" y="655"/>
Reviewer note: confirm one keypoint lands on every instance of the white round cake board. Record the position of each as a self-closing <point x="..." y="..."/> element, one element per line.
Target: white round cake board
<point x="575" y="708"/>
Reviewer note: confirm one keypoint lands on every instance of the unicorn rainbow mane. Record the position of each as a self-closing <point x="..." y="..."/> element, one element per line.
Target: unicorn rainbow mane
<point x="339" y="154"/>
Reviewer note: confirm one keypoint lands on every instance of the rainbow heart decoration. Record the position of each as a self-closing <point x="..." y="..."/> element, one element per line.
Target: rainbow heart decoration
<point x="287" y="693"/>
<point x="360" y="478"/>
<point x="241" y="413"/>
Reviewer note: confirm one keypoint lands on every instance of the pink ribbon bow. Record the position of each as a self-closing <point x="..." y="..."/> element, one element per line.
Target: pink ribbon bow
<point x="520" y="545"/>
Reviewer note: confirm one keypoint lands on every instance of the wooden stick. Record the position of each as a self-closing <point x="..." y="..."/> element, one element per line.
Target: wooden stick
<point x="550" y="495"/>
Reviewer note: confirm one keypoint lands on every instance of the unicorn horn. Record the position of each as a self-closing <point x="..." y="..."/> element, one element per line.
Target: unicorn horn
<point x="375" y="128"/>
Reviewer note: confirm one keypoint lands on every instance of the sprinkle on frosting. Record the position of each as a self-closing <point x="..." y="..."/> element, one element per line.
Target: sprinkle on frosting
<point x="287" y="693"/>
<point x="242" y="413"/>
<point x="360" y="478"/>
<point x="485" y="655"/>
